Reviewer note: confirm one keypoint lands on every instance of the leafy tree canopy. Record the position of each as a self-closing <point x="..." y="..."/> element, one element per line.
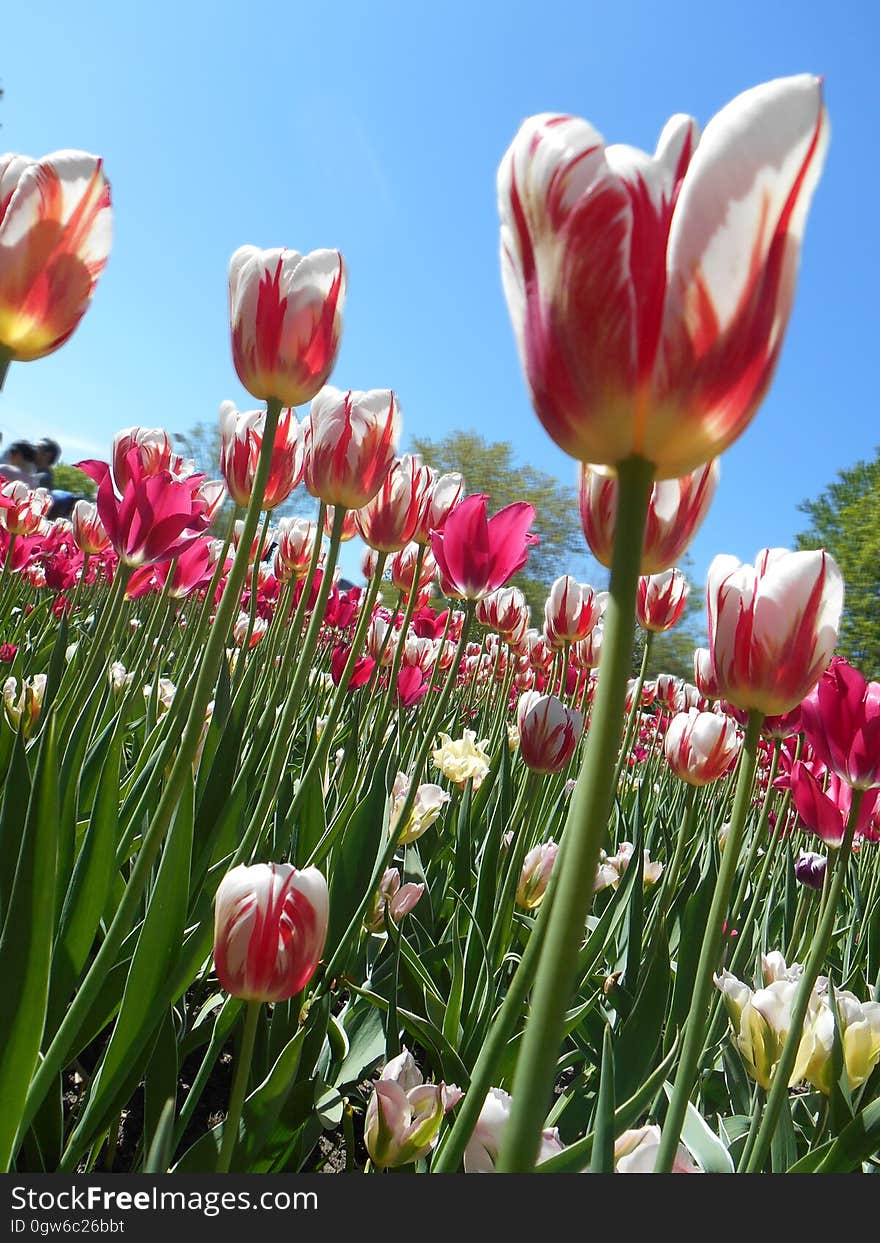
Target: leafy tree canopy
<point x="845" y="520"/>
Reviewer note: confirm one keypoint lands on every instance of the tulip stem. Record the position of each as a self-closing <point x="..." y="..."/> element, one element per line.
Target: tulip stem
<point x="697" y="1019"/>
<point x="635" y="709"/>
<point x="5" y="360"/>
<point x="397" y="658"/>
<point x="588" y="814"/>
<point x="239" y="1086"/>
<point x="818" y="950"/>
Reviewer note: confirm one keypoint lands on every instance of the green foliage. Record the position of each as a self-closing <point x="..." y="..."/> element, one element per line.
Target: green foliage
<point x="69" y="479"/>
<point x="490" y="467"/>
<point x="845" y="520"/>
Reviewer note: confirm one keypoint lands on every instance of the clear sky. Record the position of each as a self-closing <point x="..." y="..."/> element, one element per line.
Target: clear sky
<point x="377" y="128"/>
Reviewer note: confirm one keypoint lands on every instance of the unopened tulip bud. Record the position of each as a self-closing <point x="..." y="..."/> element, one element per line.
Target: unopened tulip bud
<point x="535" y="875"/>
<point x="676" y="510"/>
<point x="429" y="803"/>
<point x="23" y="708"/>
<point x="571" y="611"/>
<point x="810" y="868"/>
<point x="270" y="922"/>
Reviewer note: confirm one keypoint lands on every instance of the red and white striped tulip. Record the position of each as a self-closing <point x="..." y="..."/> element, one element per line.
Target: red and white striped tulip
<point x="773" y="626"/>
<point x="391" y="518"/>
<point x="241" y="439"/>
<point x="661" y="599"/>
<point x="270" y="923"/>
<point x="505" y="611"/>
<point x="351" y="442"/>
<point x="650" y="295"/>
<point x="676" y="510"/>
<point x="296" y="542"/>
<point x="88" y="529"/>
<point x="22" y="509"/>
<point x="704" y="674"/>
<point x="701" y="746"/>
<point x="571" y="611"/>
<point x="548" y="732"/>
<point x="442" y="495"/>
<point x="403" y="569"/>
<point x="55" y="233"/>
<point x="285" y="312"/>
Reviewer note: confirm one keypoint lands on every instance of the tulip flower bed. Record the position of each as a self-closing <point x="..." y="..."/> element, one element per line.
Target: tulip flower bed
<point x="291" y="880"/>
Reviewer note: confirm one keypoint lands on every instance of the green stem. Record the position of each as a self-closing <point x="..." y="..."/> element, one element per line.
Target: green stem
<point x="5" y="360"/>
<point x="636" y="708"/>
<point x="818" y="950"/>
<point x="239" y="1087"/>
<point x="587" y="819"/>
<point x="695" y="1025"/>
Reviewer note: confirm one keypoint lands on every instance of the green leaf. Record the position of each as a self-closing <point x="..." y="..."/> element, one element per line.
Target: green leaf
<point x="602" y="1157"/>
<point x="702" y="1141"/>
<point x="89" y="887"/>
<point x="160" y="1081"/>
<point x="12" y="819"/>
<point x="26" y="945"/>
<point x="162" y="1148"/>
<point x="355" y="857"/>
<point x="157" y="949"/>
<point x="857" y="1141"/>
<point x="366" y="1044"/>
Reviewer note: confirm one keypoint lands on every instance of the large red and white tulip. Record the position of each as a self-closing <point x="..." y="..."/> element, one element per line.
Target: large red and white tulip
<point x="270" y="923"/>
<point x="285" y="312"/>
<point x="676" y="511"/>
<point x="773" y="626"/>
<point x="55" y="233"/>
<point x="649" y="295"/>
<point x="701" y="746"/>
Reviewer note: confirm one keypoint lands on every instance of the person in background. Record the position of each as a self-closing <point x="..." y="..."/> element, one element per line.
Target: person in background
<point x="47" y="453"/>
<point x="20" y="462"/>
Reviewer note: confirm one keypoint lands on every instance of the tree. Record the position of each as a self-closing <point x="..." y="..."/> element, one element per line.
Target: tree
<point x="69" y="479"/>
<point x="845" y="520"/>
<point x="490" y="467"/>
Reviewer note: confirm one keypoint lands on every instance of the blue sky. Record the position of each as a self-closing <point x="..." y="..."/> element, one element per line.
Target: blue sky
<point x="377" y="128"/>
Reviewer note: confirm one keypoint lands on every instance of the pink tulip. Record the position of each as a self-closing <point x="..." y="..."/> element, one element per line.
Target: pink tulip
<point x="241" y="439"/>
<point x="823" y="804"/>
<point x="676" y="511"/>
<point x="773" y="626"/>
<point x="156" y="518"/>
<point x="55" y="230"/>
<point x="351" y="440"/>
<point x="548" y="732"/>
<point x="285" y="312"/>
<point x="650" y="294"/>
<point x="841" y="719"/>
<point x="661" y="599"/>
<point x="701" y="746"/>
<point x="477" y="554"/>
<point x="270" y="922"/>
